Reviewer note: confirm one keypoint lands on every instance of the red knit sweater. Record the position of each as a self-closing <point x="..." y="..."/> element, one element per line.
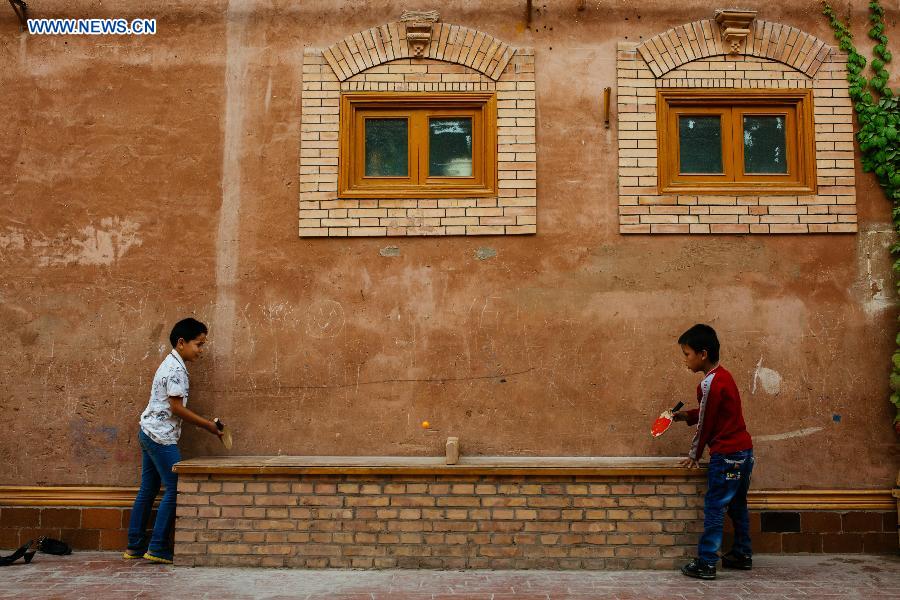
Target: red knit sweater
<point x="719" y="420"/>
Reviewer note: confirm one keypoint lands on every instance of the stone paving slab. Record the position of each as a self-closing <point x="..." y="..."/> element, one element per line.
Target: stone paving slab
<point x="103" y="575"/>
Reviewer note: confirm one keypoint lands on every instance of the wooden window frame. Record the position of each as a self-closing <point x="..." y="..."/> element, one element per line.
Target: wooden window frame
<point x="733" y="104"/>
<point x="417" y="107"/>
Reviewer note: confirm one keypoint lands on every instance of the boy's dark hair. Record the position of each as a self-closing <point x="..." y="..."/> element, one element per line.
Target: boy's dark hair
<point x="702" y="337"/>
<point x="186" y="329"/>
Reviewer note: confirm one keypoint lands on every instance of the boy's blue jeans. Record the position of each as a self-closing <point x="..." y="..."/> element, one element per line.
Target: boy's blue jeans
<point x="728" y="482"/>
<point x="156" y="468"/>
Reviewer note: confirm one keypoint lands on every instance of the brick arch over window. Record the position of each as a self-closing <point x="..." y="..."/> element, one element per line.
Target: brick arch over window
<point x="449" y="60"/>
<point x="450" y="43"/>
<point x="702" y="39"/>
<point x="750" y="59"/>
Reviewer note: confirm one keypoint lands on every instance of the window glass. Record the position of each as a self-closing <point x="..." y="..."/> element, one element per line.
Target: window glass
<point x="450" y="147"/>
<point x="387" y="148"/>
<point x="764" y="144"/>
<point x="700" y="143"/>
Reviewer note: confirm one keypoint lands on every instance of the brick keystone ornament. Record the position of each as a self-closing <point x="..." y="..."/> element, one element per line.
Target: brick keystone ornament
<point x="735" y="24"/>
<point x="418" y="28"/>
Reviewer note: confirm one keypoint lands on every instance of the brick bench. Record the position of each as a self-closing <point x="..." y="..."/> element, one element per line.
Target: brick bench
<point x="413" y="512"/>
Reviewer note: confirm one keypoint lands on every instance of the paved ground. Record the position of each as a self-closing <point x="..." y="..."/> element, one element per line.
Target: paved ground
<point x="102" y="576"/>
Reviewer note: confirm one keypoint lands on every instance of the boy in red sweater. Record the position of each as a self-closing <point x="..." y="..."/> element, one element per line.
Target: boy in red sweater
<point x="720" y="425"/>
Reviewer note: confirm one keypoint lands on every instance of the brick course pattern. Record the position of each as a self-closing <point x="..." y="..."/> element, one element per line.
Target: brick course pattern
<point x="379" y="59"/>
<point x="776" y="57"/>
<point x="105" y="528"/>
<point x="440" y="522"/>
<point x="82" y="528"/>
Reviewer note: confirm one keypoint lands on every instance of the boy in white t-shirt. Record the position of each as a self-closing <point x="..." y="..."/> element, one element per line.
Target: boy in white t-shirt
<point x="158" y="435"/>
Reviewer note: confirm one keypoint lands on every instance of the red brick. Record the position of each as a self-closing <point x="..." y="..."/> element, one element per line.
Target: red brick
<point x="20" y="517"/>
<point x="890" y="522"/>
<point x="642" y="527"/>
<point x="820" y="522"/>
<point x="842" y="542"/>
<point x="186" y="486"/>
<point x="550" y="502"/>
<point x="801" y="542"/>
<point x="65" y="518"/>
<point x="860" y="522"/>
<point x="185" y="536"/>
<point x="755" y="522"/>
<point x="232" y="500"/>
<point x="880" y="543"/>
<point x="101" y="518"/>
<point x="26" y="534"/>
<point x="499" y="551"/>
<point x="113" y="539"/>
<point x="82" y="539"/>
<point x="275" y="500"/>
<point x="9" y="538"/>
<point x="766" y="543"/>
<point x="193" y="499"/>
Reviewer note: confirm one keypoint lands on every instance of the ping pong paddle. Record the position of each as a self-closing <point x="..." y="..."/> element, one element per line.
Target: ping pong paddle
<point x="226" y="433"/>
<point x="662" y="423"/>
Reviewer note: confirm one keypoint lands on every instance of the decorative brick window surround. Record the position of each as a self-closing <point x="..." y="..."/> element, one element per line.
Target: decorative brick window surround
<point x="418" y="56"/>
<point x="734" y="51"/>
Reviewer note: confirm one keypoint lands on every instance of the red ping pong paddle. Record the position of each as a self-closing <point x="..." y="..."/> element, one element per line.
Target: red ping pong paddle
<point x="662" y="423"/>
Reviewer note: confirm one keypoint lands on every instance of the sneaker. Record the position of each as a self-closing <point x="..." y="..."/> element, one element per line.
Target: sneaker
<point x="157" y="559"/>
<point x="698" y="570"/>
<point x="732" y="560"/>
<point x="130" y="554"/>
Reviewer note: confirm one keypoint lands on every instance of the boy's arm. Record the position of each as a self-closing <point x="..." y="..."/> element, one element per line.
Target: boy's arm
<point x="180" y="410"/>
<point x="710" y="417"/>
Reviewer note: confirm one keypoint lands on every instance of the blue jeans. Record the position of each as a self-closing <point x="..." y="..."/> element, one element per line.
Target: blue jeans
<point x="156" y="468"/>
<point x="728" y="482"/>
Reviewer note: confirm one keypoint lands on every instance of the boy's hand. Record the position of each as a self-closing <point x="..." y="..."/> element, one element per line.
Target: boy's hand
<point x="690" y="463"/>
<point x="211" y="427"/>
<point x="679" y="416"/>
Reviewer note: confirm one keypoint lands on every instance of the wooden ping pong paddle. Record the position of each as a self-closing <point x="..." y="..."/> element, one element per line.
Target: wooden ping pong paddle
<point x="227" y="441"/>
<point x="662" y="423"/>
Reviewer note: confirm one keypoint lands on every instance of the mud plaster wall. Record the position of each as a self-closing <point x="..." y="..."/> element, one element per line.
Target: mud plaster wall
<point x="145" y="179"/>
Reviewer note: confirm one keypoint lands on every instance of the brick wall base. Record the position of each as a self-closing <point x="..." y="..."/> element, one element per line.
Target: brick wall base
<point x="822" y="531"/>
<point x="432" y="522"/>
<point x="82" y="528"/>
<point x="437" y="522"/>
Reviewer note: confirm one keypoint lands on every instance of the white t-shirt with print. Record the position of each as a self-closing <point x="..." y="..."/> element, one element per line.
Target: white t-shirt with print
<point x="157" y="420"/>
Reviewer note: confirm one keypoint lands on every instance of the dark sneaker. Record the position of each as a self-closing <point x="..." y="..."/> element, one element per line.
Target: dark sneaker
<point x="737" y="561"/>
<point x="698" y="570"/>
<point x="131" y="554"/>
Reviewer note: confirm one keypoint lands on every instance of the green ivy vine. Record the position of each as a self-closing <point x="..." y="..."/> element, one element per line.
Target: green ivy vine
<point x="878" y="116"/>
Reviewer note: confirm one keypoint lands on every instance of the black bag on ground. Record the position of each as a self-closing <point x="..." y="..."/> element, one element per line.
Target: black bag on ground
<point x="51" y="546"/>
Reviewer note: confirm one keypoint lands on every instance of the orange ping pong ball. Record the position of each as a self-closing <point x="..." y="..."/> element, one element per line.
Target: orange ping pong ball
<point x="426" y="424"/>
